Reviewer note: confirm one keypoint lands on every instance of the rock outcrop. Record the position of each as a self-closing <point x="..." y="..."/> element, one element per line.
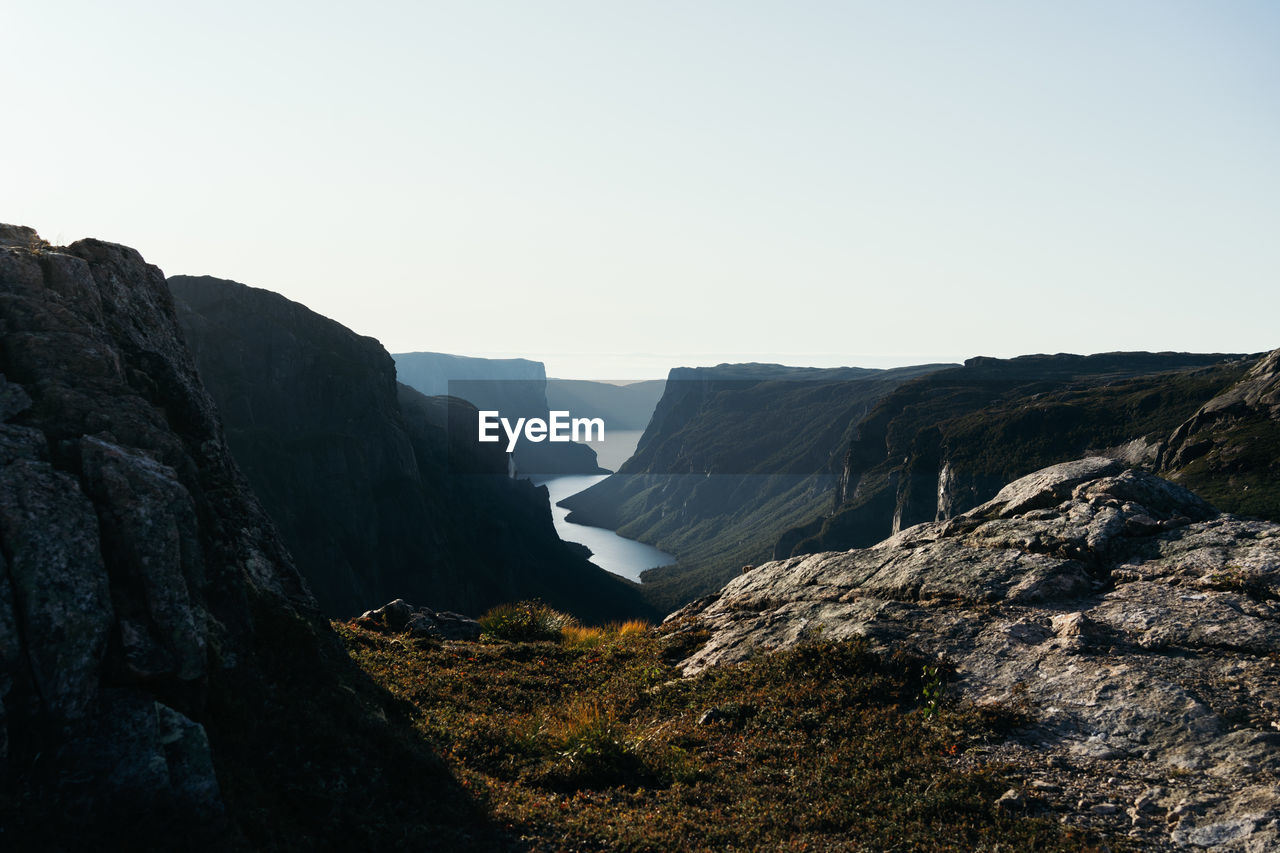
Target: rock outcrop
<point x="378" y="491"/>
<point x="420" y="623"/>
<point x="151" y="620"/>
<point x="1134" y="624"/>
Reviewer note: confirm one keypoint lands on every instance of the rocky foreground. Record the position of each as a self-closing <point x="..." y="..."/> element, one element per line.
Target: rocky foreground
<point x="164" y="672"/>
<point x="1136" y="626"/>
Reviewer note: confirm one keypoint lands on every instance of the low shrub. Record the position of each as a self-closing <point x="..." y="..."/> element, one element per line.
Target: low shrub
<point x="525" y="621"/>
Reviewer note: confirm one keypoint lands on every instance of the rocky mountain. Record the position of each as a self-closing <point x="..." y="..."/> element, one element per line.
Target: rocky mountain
<point x="1229" y="450"/>
<point x="623" y="407"/>
<point x="732" y="457"/>
<point x="164" y="672"/>
<point x="515" y="387"/>
<point x="1132" y="625"/>
<point x="431" y="372"/>
<point x="945" y="443"/>
<point x="379" y="492"/>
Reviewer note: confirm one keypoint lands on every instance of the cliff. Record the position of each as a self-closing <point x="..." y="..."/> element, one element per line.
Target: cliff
<point x="733" y="456"/>
<point x="1229" y="450"/>
<point x="942" y="444"/>
<point x="379" y="492"/>
<point x="164" y="672"/>
<point x="515" y="387"/>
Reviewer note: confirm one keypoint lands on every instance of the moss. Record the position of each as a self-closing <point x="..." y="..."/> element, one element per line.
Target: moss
<point x="1239" y="472"/>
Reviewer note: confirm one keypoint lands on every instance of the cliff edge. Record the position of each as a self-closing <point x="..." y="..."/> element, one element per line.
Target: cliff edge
<point x="164" y="672"/>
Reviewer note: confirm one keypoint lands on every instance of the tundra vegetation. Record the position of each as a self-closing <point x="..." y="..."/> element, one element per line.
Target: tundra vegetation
<point x="572" y="737"/>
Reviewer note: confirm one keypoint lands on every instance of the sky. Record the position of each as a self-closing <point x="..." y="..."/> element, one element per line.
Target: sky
<point x="617" y="188"/>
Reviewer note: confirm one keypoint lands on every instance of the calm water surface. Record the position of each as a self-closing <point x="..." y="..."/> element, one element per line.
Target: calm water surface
<point x="610" y="551"/>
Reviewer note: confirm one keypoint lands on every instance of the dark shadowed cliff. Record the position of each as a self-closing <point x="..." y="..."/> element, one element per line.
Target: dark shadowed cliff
<point x="514" y="387"/>
<point x="374" y="494"/>
<point x="165" y="677"/>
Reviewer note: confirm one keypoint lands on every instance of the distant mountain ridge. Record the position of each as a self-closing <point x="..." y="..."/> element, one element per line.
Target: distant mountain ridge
<point x="361" y="473"/>
<point x="431" y="372"/>
<point x="732" y="456"/>
<point x="514" y="387"/>
<point x="623" y="407"/>
<point x="947" y="442"/>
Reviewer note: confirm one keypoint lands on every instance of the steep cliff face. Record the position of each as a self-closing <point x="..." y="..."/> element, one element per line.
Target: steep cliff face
<point x="150" y="618"/>
<point x="1229" y="450"/>
<point x="943" y="444"/>
<point x="379" y="492"/>
<point x="1129" y="622"/>
<point x="311" y="414"/>
<point x="515" y="387"/>
<point x="732" y="456"/>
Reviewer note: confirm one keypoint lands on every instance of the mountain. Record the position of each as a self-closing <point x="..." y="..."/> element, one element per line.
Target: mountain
<point x="623" y="407"/>
<point x="624" y="410"/>
<point x="514" y="387"/>
<point x="165" y="676"/>
<point x="1229" y="450"/>
<point x="1130" y="626"/>
<point x="378" y="491"/>
<point x="732" y="457"/>
<point x="944" y="443"/>
<point x="431" y="372"/>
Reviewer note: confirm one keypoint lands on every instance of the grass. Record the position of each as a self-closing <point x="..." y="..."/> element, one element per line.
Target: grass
<point x="592" y="740"/>
<point x="524" y="620"/>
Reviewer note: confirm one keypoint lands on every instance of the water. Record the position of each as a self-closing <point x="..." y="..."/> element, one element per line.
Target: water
<point x="617" y="447"/>
<point x="610" y="551"/>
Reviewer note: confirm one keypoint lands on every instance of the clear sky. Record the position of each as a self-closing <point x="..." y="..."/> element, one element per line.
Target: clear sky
<point x="621" y="187"/>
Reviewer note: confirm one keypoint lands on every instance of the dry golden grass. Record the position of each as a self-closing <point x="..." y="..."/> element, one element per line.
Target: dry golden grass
<point x="631" y="628"/>
<point x="590" y="637"/>
<point x="581" y="636"/>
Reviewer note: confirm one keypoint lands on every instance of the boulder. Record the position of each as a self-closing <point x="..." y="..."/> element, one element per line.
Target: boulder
<point x="401" y="617"/>
<point x="1135" y="624"/>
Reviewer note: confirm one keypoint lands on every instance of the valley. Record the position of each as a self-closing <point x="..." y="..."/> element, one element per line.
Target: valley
<point x="609" y="551"/>
<point x="508" y="427"/>
<point x="1009" y="603"/>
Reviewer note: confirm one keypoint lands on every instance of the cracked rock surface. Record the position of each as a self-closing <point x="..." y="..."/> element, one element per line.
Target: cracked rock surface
<point x="131" y="550"/>
<point x="1136" y="625"/>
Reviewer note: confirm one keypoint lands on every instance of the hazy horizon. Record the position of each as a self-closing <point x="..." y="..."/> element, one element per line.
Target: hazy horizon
<point x="616" y="189"/>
